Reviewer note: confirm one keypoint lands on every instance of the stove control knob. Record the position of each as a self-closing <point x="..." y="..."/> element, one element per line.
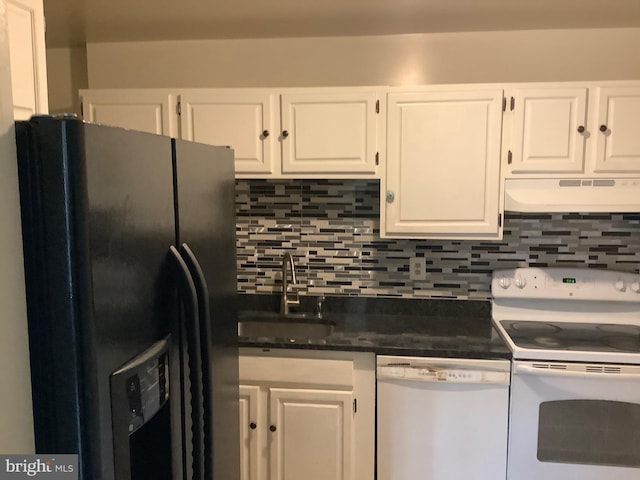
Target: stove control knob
<point x="635" y="286"/>
<point x="505" y="283"/>
<point x="521" y="282"/>
<point x="621" y="286"/>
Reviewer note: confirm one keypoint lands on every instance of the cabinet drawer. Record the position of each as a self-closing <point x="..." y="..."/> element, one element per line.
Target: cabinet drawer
<point x="327" y="373"/>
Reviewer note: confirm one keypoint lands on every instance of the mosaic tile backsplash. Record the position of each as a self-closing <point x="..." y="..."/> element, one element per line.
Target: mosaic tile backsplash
<point x="332" y="229"/>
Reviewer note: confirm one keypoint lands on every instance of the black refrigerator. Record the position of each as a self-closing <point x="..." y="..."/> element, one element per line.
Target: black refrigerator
<point x="129" y="247"/>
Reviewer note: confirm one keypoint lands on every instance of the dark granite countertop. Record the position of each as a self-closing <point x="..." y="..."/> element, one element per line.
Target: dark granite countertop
<point x="434" y="328"/>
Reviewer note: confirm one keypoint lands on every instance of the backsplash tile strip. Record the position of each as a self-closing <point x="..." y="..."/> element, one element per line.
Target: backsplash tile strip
<point x="331" y="227"/>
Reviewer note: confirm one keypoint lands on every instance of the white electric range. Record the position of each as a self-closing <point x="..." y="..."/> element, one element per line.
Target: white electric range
<point x="575" y="387"/>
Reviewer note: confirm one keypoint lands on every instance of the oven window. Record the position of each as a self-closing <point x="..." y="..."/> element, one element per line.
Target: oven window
<point x="592" y="432"/>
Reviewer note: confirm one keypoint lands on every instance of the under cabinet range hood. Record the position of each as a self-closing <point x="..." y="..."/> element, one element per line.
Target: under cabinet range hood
<point x="572" y="195"/>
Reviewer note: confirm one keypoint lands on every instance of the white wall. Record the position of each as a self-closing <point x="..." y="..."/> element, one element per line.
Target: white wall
<point x="66" y="73"/>
<point x="16" y="420"/>
<point x="545" y="55"/>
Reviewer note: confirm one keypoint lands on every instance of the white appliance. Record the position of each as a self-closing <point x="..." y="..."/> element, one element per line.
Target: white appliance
<point x="575" y="386"/>
<point x="572" y="194"/>
<point x="441" y="418"/>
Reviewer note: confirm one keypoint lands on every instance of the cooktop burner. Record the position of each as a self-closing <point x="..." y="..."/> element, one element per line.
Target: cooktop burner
<point x="535" y="327"/>
<point x="588" y="337"/>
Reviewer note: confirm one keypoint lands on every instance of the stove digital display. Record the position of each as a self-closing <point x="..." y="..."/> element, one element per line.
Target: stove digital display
<point x="569" y="280"/>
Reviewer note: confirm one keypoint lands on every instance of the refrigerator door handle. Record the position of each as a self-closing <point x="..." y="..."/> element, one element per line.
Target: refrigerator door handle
<point x="205" y="343"/>
<point x="189" y="297"/>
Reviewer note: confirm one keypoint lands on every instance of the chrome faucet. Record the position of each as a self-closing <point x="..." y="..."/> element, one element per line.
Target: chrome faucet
<point x="288" y="298"/>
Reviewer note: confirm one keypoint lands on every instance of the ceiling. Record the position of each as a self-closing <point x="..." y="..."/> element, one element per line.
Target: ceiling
<point x="76" y="22"/>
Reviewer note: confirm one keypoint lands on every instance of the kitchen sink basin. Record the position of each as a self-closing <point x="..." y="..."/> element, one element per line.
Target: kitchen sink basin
<point x="291" y="326"/>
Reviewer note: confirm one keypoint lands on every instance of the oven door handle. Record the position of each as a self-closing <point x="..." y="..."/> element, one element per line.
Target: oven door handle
<point x="546" y="372"/>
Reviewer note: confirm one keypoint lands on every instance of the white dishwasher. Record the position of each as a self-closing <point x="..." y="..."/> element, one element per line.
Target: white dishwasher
<point x="442" y="418"/>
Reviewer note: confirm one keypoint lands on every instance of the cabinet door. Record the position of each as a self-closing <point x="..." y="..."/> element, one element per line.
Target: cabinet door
<point x="549" y="130"/>
<point x="243" y="121"/>
<point x="313" y="437"/>
<point x="443" y="164"/>
<point x="329" y="132"/>
<point x="616" y="130"/>
<point x="143" y="110"/>
<point x="249" y="433"/>
<point x="25" y="25"/>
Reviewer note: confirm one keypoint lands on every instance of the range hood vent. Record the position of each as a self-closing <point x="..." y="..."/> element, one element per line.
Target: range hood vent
<point x="572" y="195"/>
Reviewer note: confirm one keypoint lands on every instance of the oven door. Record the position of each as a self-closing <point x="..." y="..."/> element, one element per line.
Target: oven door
<point x="571" y="420"/>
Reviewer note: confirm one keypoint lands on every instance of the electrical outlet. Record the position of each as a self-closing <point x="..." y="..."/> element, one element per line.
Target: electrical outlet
<point x="418" y="268"/>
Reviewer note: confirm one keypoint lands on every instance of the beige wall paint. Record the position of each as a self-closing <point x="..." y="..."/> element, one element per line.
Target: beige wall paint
<point x="16" y="418"/>
<point x="545" y="55"/>
<point x="66" y="73"/>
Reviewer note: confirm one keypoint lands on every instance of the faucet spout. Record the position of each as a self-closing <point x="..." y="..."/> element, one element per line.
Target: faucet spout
<point x="288" y="298"/>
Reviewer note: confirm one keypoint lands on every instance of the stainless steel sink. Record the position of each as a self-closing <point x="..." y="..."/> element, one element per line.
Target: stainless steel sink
<point x="291" y="326"/>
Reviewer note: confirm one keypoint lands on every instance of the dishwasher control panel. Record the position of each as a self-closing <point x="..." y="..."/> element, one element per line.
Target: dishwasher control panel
<point x="444" y="370"/>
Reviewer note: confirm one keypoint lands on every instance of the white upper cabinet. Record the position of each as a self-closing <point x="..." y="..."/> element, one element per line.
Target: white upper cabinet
<point x="25" y="25"/>
<point x="617" y="130"/>
<point x="334" y="132"/>
<point x="307" y="415"/>
<point x="443" y="164"/>
<point x="293" y="133"/>
<point x="573" y="129"/>
<point x="152" y="111"/>
<point x="549" y="127"/>
<point x="239" y="119"/>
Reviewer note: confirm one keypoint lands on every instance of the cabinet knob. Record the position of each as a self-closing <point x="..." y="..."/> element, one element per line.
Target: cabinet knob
<point x="603" y="128"/>
<point x="285" y="133"/>
<point x="252" y="425"/>
<point x="273" y="428"/>
<point x="265" y="133"/>
<point x="390" y="196"/>
<point x="581" y="129"/>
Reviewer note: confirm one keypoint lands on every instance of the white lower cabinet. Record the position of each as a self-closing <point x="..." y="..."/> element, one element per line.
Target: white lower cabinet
<point x="249" y="453"/>
<point x="311" y="434"/>
<point x="306" y="415"/>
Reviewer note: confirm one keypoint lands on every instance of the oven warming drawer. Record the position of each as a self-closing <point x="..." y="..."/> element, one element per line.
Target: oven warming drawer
<point x="442" y="418"/>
